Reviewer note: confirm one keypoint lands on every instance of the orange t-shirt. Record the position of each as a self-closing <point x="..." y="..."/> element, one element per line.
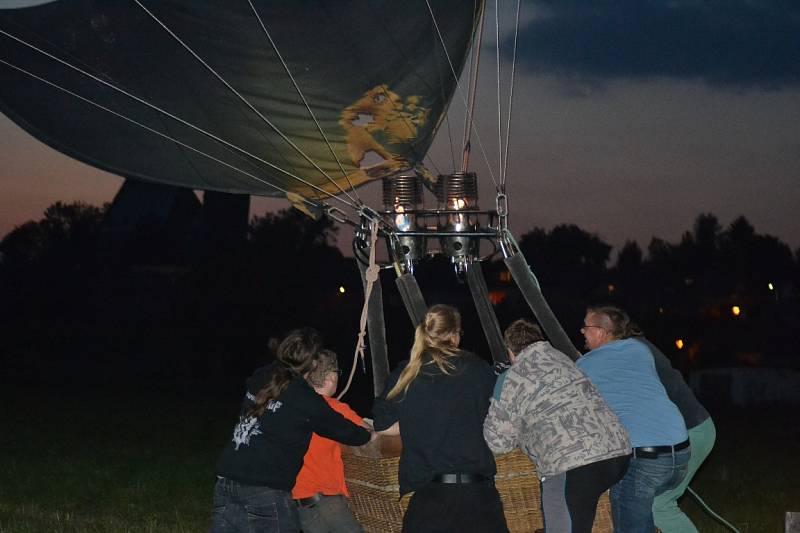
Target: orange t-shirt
<point x="323" y="470"/>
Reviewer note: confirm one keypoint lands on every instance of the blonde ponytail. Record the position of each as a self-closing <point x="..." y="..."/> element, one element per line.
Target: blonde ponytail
<point x="433" y="338"/>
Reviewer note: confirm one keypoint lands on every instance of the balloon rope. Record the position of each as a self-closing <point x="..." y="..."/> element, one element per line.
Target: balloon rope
<point x="244" y="100"/>
<point x="303" y="98"/>
<point x="156" y="132"/>
<point x="470" y="121"/>
<point x="499" y="106"/>
<point x="371" y="276"/>
<point x="510" y="101"/>
<point x="170" y="115"/>
<point x="469" y="68"/>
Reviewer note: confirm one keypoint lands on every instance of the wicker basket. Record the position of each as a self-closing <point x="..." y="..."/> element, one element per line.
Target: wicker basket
<point x="371" y="474"/>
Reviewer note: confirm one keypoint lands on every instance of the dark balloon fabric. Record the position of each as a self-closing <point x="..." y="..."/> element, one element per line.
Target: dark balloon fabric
<point x="373" y="72"/>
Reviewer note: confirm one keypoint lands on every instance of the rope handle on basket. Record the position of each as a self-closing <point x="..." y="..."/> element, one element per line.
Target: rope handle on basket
<point x="371" y="276"/>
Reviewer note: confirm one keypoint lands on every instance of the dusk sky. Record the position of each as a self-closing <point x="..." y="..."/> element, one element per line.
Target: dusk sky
<point x="630" y="118"/>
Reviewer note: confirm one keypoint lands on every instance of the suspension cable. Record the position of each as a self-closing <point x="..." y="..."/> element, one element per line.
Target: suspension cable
<point x="178" y="119"/>
<point x="460" y="92"/>
<point x="472" y="92"/>
<point x="156" y="132"/>
<point x="434" y="165"/>
<point x="244" y="100"/>
<point x="473" y="31"/>
<point x="503" y="175"/>
<point x="445" y="112"/>
<point x="499" y="108"/>
<point x="303" y="98"/>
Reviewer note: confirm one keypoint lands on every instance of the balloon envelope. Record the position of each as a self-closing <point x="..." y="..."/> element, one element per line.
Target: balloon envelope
<point x="374" y="74"/>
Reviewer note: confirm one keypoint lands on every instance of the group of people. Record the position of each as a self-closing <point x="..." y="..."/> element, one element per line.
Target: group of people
<point x="619" y="419"/>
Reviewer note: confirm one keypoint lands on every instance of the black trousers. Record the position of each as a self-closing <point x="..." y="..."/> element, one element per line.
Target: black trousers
<point x="461" y="507"/>
<point x="569" y="500"/>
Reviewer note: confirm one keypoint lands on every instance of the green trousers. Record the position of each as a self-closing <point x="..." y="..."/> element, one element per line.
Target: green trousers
<point x="667" y="515"/>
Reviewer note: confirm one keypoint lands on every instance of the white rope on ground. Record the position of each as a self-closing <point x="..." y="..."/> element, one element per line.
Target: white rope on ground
<point x="371" y="276"/>
<point x="243" y="99"/>
<point x="172" y="116"/>
<point x="711" y="511"/>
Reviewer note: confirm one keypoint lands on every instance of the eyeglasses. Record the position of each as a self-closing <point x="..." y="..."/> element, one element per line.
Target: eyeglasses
<point x="587" y="326"/>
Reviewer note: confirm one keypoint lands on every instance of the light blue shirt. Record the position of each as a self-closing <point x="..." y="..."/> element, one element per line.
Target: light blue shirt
<point x="625" y="374"/>
<point x="498" y="385"/>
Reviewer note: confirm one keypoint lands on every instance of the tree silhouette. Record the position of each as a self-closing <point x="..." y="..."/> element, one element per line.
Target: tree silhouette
<point x="752" y="260"/>
<point x="63" y="239"/>
<point x="629" y="260"/>
<point x="567" y="257"/>
<point x="66" y="294"/>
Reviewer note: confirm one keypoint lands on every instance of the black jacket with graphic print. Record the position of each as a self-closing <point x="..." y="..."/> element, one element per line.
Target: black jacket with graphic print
<point x="268" y="450"/>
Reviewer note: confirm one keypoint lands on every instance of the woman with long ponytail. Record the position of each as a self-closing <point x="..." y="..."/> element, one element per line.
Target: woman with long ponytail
<point x="259" y="464"/>
<point x="437" y="401"/>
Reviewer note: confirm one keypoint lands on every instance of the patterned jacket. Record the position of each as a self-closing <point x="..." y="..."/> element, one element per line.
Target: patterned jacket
<point x="551" y="410"/>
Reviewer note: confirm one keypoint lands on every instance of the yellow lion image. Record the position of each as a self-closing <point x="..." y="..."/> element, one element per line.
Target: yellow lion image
<point x="381" y="110"/>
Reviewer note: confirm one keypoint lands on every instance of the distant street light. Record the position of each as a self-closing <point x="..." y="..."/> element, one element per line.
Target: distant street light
<point x="341" y="289"/>
<point x="679" y="343"/>
<point x="736" y="310"/>
<point x="771" y="286"/>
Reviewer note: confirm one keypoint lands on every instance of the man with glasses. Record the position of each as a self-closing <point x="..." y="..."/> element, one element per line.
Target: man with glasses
<point x="623" y="370"/>
<point x="320" y="491"/>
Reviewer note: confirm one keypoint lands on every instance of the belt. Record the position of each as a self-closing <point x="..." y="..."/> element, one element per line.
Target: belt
<point x="310" y="501"/>
<point x="459" y="478"/>
<point x="652" y="452"/>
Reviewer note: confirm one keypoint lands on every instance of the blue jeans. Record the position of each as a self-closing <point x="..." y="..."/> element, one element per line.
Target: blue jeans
<point x="329" y="515"/>
<point x="632" y="498"/>
<point x="668" y="516"/>
<point x="242" y="508"/>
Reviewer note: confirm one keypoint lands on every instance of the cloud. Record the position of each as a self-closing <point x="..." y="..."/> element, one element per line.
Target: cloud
<point x="742" y="43"/>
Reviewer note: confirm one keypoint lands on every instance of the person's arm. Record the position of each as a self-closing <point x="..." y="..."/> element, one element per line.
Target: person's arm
<point x="391" y="431"/>
<point x="327" y="423"/>
<point x="500" y="428"/>
<point x="386" y="413"/>
<point x="348" y="412"/>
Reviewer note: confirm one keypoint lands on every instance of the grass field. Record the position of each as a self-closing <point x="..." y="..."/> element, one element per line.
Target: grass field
<point x="141" y="460"/>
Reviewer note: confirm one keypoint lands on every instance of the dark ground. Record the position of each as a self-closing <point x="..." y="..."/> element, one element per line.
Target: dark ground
<point x="140" y="457"/>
